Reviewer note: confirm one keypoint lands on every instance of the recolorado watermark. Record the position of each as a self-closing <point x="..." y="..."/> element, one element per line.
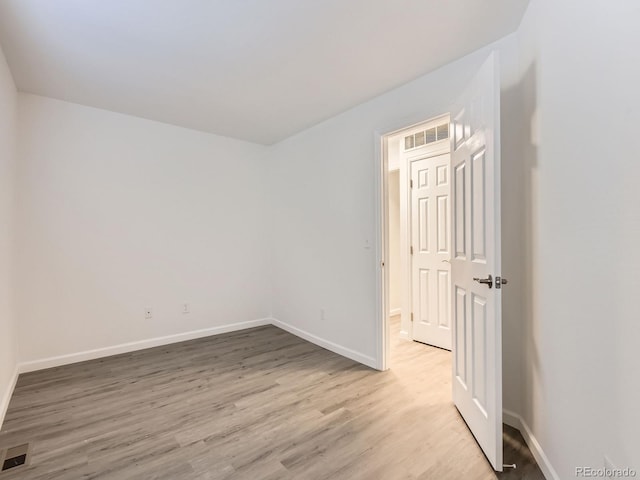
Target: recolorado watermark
<point x="590" y="472"/>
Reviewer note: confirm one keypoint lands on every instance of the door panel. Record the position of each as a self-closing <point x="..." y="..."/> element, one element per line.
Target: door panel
<point x="460" y="364"/>
<point x="478" y="213"/>
<point x="430" y="233"/>
<point x="423" y="225"/>
<point x="478" y="345"/>
<point x="443" y="224"/>
<point x="459" y="220"/>
<point x="477" y="332"/>
<point x="444" y="290"/>
<point x="424" y="291"/>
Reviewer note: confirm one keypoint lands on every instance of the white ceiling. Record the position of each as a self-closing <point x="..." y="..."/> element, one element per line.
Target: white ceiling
<point x="259" y="70"/>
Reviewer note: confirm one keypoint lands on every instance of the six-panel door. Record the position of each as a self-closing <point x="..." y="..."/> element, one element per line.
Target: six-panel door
<point x="430" y="267"/>
<point x="477" y="322"/>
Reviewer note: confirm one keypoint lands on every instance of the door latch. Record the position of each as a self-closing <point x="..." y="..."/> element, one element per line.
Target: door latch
<point x="501" y="281"/>
<point x="487" y="281"/>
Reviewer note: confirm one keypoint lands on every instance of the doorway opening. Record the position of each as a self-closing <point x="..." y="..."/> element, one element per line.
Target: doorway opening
<point x="463" y="252"/>
<point x="418" y="211"/>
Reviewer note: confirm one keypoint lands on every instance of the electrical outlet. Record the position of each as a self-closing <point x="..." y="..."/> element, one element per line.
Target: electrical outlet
<point x="186" y="308"/>
<point x="148" y="313"/>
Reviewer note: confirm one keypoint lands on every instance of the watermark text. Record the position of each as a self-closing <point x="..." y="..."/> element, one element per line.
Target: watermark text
<point x="590" y="472"/>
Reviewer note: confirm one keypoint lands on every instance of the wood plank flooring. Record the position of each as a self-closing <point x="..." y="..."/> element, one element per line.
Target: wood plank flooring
<point x="255" y="404"/>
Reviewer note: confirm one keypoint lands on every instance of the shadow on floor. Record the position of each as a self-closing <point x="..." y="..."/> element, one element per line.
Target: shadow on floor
<point x="516" y="451"/>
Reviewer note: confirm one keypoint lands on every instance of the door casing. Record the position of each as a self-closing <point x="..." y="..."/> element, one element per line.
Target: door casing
<point x="382" y="228"/>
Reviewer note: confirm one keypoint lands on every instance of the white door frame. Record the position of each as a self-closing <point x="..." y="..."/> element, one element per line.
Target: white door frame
<point x="382" y="234"/>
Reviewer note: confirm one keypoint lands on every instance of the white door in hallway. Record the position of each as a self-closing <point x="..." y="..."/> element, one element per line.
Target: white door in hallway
<point x="475" y="262"/>
<point x="430" y="246"/>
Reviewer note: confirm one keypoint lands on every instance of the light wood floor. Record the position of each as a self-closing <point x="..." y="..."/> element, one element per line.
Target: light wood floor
<point x="256" y="404"/>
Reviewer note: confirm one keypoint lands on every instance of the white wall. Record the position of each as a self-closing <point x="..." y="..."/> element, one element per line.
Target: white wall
<point x="325" y="212"/>
<point x="117" y="213"/>
<point x="581" y="387"/>
<point x="8" y="97"/>
<point x="395" y="278"/>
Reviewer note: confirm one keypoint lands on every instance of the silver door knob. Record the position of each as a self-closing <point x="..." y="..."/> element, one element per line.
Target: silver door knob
<point x="487" y="281"/>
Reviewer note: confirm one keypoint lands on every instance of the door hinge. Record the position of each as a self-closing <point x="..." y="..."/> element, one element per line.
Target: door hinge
<point x="382" y="264"/>
<point x="411" y="249"/>
<point x="412" y="316"/>
<point x="410" y="183"/>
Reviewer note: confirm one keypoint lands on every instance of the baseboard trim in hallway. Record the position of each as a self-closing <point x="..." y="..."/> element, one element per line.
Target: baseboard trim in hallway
<point x="58" y="361"/>
<point x="6" y="397"/>
<point x="321" y="342"/>
<point x="516" y="421"/>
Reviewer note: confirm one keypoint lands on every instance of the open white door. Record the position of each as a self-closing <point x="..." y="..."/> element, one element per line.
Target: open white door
<point x="475" y="263"/>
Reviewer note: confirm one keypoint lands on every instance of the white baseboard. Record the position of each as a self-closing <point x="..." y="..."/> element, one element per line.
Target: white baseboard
<point x="395" y="311"/>
<point x="334" y="347"/>
<point x="6" y="396"/>
<point x="67" y="359"/>
<point x="512" y="419"/>
<point x="50" y="362"/>
<point x="516" y="421"/>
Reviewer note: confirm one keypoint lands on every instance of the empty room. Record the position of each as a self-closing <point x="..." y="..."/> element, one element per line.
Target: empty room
<point x="319" y="239"/>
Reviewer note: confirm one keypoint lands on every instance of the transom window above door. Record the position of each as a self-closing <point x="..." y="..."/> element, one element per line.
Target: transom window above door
<point x="425" y="137"/>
